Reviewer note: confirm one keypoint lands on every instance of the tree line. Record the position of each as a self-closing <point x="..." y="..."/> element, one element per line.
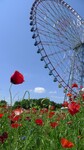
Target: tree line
<point x="36" y="103"/>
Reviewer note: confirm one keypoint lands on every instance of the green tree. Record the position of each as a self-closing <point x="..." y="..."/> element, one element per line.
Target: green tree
<point x="17" y="104"/>
<point x="3" y="103"/>
<point x="25" y="103"/>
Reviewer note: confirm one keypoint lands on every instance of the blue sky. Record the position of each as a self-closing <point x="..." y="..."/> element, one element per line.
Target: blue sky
<point x="17" y="52"/>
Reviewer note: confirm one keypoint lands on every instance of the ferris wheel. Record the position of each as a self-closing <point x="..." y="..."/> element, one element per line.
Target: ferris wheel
<point x="58" y="31"/>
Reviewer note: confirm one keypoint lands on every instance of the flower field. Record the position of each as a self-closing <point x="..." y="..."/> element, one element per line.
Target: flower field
<point x="43" y="128"/>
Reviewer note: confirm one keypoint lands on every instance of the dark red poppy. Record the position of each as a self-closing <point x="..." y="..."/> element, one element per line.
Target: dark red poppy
<point x="73" y="108"/>
<point x="66" y="144"/>
<point x="74" y="85"/>
<point x="53" y="124"/>
<point x="65" y="104"/>
<point x="1" y="115"/>
<point x="17" y="78"/>
<point x="3" y="137"/>
<point x="39" y="122"/>
<point x="75" y="97"/>
<point x="70" y="99"/>
<point x="28" y="118"/>
<point x="15" y="125"/>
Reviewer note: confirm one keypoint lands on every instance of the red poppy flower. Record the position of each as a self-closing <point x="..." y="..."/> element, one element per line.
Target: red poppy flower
<point x="17" y="78"/>
<point x="14" y="117"/>
<point x="18" y="111"/>
<point x="53" y="124"/>
<point x="39" y="122"/>
<point x="51" y="114"/>
<point x="15" y="125"/>
<point x="52" y="107"/>
<point x="65" y="104"/>
<point x="69" y="94"/>
<point x="43" y="110"/>
<point x="74" y="85"/>
<point x="66" y="144"/>
<point x="1" y="115"/>
<point x="81" y="87"/>
<point x="73" y="108"/>
<point x="83" y="97"/>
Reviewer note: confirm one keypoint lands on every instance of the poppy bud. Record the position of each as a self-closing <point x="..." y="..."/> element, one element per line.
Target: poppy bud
<point x="17" y="78"/>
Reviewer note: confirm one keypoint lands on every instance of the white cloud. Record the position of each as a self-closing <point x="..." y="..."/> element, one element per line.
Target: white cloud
<point x="39" y="90"/>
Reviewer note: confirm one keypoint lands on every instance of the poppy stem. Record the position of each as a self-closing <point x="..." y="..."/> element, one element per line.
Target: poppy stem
<point x="10" y="95"/>
<point x="28" y="96"/>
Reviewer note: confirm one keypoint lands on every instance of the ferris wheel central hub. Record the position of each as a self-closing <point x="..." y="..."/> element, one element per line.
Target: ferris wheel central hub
<point x="81" y="45"/>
